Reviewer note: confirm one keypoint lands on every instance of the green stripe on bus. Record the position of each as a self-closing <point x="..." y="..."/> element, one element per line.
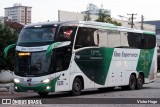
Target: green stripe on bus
<point x="150" y="33"/>
<point x="95" y="63"/>
<point x="104" y="67"/>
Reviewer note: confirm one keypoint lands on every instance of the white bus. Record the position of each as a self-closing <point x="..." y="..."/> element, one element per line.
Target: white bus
<point x="72" y="56"/>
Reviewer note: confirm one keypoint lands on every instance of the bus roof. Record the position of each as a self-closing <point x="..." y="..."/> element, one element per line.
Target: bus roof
<point x="93" y="24"/>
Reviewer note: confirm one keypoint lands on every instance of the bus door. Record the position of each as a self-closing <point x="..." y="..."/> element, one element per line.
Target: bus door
<point x="62" y="56"/>
<point x="62" y="59"/>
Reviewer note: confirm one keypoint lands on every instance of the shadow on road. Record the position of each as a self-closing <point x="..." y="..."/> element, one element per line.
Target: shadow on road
<point x="67" y="94"/>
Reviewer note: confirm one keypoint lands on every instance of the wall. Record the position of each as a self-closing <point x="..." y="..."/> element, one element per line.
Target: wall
<point x="73" y="16"/>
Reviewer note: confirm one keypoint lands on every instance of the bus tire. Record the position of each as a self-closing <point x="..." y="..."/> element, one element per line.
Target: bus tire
<point x="132" y="82"/>
<point x="76" y="87"/>
<point x="43" y="94"/>
<point x="140" y="81"/>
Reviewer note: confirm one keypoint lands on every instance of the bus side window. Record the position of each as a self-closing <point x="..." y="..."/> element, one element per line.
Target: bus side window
<point x="66" y="33"/>
<point x="85" y="38"/>
<point x="147" y="41"/>
<point x="96" y="39"/>
<point x="100" y="38"/>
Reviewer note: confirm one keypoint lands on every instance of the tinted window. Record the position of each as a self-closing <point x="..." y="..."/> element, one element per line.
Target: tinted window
<point x="66" y="33"/>
<point x="141" y="41"/>
<point x="85" y="38"/>
<point x="37" y="34"/>
<point x="114" y="39"/>
<point x="134" y="40"/>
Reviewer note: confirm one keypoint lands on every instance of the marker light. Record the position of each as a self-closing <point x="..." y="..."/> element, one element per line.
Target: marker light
<point x="46" y="81"/>
<point x="16" y="80"/>
<point x="24" y="54"/>
<point x="16" y="87"/>
<point x="48" y="87"/>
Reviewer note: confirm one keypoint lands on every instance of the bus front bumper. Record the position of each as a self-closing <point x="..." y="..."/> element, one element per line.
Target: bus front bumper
<point x="41" y="87"/>
<point x="36" y="88"/>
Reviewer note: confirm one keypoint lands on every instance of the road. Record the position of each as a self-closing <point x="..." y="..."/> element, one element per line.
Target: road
<point x="148" y="96"/>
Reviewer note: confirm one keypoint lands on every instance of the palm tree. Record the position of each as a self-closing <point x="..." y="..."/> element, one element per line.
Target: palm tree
<point x="103" y="17"/>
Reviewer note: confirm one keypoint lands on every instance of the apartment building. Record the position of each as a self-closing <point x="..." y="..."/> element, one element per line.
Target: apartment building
<point x="19" y="13"/>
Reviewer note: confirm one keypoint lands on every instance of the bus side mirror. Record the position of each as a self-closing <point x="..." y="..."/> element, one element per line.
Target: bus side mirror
<point x="8" y="48"/>
<point x="54" y="46"/>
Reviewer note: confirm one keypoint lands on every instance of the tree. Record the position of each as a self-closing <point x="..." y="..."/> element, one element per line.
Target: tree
<point x="103" y="17"/>
<point x="87" y="16"/>
<point x="7" y="36"/>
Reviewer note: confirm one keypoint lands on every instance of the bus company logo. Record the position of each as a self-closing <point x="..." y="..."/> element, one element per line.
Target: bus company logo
<point x="23" y="49"/>
<point x="29" y="79"/>
<point x="6" y="101"/>
<point x="145" y="57"/>
<point x="96" y="53"/>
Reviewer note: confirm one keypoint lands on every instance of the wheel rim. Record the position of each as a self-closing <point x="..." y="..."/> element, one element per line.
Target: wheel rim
<point x="132" y="83"/>
<point x="140" y="81"/>
<point x="77" y="87"/>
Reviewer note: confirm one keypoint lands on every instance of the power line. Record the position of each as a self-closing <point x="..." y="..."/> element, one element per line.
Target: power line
<point x="132" y="17"/>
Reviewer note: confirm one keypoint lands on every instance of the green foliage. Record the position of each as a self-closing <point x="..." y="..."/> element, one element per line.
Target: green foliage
<point x="87" y="16"/>
<point x="7" y="36"/>
<point x="103" y="17"/>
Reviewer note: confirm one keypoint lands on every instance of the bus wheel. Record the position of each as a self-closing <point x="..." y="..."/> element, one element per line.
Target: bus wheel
<point x="43" y="94"/>
<point x="139" y="82"/>
<point x="76" y="87"/>
<point x="132" y="82"/>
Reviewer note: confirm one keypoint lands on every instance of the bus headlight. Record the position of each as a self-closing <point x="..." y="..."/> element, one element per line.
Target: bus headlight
<point x="46" y="81"/>
<point x="16" y="80"/>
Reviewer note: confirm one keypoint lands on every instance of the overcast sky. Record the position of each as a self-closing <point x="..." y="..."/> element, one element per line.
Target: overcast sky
<point x="43" y="10"/>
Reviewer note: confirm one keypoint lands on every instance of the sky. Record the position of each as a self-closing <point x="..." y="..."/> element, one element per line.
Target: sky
<point x="44" y="10"/>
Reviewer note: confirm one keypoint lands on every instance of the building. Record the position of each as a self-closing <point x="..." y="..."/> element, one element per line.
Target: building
<point x="94" y="10"/>
<point x="18" y="13"/>
<point x="157" y="24"/>
<point x="1" y="19"/>
<point x="72" y="16"/>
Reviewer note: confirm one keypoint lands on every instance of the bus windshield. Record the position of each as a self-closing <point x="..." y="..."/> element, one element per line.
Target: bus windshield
<point x="37" y="34"/>
<point x="36" y="64"/>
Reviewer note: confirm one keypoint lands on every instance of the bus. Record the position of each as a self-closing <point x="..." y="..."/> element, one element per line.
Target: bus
<point x="75" y="55"/>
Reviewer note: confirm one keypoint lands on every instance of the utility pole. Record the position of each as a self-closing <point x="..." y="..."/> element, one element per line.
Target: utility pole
<point x="132" y="19"/>
<point x="142" y="21"/>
